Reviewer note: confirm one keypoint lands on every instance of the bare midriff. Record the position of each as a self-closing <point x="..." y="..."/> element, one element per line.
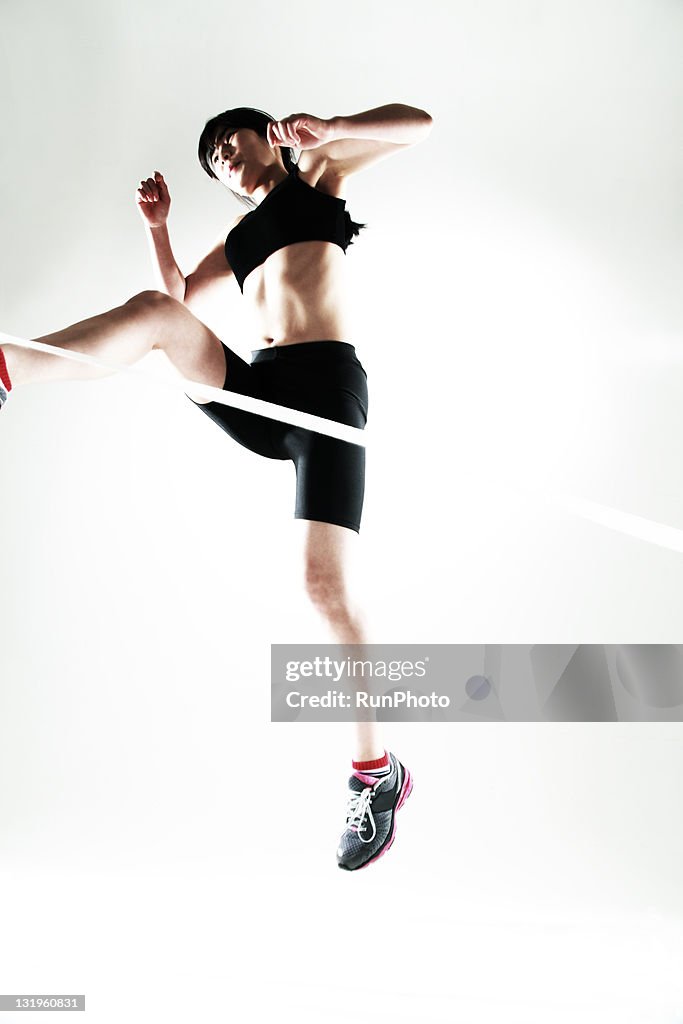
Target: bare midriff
<point x="298" y="295"/>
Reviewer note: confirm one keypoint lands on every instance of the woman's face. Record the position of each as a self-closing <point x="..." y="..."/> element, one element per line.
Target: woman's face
<point x="239" y="158"/>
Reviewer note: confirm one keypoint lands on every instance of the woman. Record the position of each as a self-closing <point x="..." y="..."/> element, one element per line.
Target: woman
<point x="286" y="256"/>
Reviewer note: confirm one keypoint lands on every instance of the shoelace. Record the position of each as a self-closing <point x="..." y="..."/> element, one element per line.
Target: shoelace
<point x="358" y="808"/>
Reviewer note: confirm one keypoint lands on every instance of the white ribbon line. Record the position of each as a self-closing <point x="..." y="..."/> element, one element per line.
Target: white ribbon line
<point x="648" y="530"/>
<point x="296" y="418"/>
<point x="626" y="523"/>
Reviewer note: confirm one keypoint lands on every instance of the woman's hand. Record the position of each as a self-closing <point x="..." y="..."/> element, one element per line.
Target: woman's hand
<point x="153" y="200"/>
<point x="301" y="130"/>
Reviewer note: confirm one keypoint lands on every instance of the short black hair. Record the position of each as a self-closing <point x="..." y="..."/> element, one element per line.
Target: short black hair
<point x="231" y="121"/>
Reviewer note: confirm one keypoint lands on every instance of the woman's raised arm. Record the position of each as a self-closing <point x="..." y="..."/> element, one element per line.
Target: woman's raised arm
<point x="341" y="146"/>
<point x="154" y="203"/>
<point x="213" y="270"/>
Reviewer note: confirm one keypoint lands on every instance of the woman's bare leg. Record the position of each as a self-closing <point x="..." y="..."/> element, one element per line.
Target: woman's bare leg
<point x="149" y="320"/>
<point x="327" y="550"/>
<point x="377" y="790"/>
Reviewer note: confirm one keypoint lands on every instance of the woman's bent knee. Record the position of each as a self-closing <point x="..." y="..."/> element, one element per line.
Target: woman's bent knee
<point x="151" y="299"/>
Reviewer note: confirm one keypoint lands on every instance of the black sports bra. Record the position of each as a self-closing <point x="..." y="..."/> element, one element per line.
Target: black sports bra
<point x="291" y="212"/>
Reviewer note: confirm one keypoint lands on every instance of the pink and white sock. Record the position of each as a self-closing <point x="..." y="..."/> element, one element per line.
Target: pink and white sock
<point x="372" y="769"/>
<point x="4" y="374"/>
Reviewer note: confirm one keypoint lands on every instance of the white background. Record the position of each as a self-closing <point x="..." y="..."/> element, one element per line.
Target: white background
<point x="517" y="305"/>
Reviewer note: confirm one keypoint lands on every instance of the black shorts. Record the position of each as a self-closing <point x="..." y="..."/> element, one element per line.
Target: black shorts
<point x="325" y="378"/>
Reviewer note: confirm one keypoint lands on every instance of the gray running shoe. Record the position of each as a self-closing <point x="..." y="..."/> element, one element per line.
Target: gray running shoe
<point x="371" y="815"/>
